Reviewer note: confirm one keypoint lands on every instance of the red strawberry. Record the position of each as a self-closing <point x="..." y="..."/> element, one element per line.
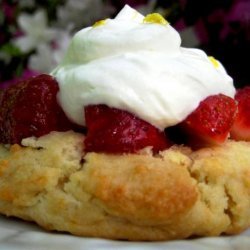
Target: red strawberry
<point x="112" y="130"/>
<point x="30" y="108"/>
<point x="211" y="122"/>
<point x="241" y="126"/>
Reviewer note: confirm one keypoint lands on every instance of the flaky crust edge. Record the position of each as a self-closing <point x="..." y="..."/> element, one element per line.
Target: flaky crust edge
<point x="173" y="195"/>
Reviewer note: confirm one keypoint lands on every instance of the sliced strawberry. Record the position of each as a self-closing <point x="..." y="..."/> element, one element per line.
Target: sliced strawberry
<point x="30" y="108"/>
<point x="241" y="125"/>
<point x="112" y="130"/>
<point x="211" y="122"/>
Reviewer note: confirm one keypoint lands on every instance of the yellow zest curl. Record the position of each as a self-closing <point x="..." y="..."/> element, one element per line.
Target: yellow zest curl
<point x="99" y="23"/>
<point x="214" y="61"/>
<point x="155" y="18"/>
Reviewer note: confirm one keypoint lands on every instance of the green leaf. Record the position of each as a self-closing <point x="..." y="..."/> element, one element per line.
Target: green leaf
<point x="11" y="50"/>
<point x="2" y="17"/>
<point x="19" y="69"/>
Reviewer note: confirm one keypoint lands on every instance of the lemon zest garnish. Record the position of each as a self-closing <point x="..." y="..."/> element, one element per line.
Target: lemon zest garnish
<point x="99" y="23"/>
<point x="155" y="18"/>
<point x="214" y="61"/>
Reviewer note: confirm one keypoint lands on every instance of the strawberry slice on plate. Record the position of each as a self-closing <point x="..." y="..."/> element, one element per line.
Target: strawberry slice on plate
<point x="211" y="122"/>
<point x="241" y="126"/>
<point x="30" y="108"/>
<point x="112" y="130"/>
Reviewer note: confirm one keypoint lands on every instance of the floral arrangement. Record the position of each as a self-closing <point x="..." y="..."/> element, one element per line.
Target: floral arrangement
<point x="35" y="34"/>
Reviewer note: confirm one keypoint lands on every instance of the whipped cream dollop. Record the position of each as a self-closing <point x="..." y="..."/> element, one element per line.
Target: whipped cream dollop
<point x="139" y="66"/>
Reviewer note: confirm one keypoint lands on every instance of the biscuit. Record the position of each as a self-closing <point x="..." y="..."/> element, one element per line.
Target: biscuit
<point x="173" y="195"/>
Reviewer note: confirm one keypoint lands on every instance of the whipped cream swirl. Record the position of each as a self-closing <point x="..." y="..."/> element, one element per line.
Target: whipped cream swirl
<point x="139" y="67"/>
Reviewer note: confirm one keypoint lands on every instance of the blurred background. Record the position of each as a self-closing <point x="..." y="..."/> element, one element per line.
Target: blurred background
<point x="35" y="34"/>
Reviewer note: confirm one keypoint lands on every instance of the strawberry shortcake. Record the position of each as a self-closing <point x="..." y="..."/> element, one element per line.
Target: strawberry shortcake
<point x="131" y="137"/>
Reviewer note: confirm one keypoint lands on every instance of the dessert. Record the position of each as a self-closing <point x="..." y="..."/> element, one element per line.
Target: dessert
<point x="128" y="138"/>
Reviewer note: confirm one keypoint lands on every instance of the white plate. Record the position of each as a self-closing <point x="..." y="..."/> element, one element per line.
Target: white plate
<point x="19" y="235"/>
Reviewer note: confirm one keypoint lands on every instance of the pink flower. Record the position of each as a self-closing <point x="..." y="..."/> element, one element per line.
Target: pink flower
<point x="240" y="12"/>
<point x="9" y="11"/>
<point x="26" y="74"/>
<point x="132" y="3"/>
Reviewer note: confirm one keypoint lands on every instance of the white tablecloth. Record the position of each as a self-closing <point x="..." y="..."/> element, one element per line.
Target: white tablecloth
<point x="19" y="235"/>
